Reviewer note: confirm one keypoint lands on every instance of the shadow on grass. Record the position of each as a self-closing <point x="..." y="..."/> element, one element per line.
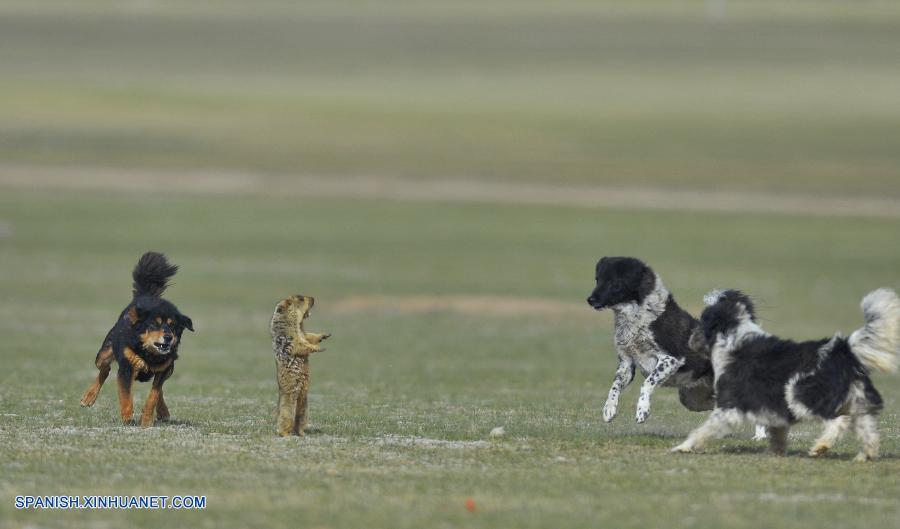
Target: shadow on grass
<point x="312" y="430"/>
<point x="174" y="423"/>
<point x="764" y="450"/>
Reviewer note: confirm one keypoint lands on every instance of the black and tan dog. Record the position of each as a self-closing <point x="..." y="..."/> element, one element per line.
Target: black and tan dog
<point x="144" y="341"/>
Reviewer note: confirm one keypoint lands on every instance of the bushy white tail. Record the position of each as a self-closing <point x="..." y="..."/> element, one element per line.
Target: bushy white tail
<point x="877" y="344"/>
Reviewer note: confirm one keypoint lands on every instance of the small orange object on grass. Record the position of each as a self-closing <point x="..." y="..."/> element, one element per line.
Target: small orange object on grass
<point x="470" y="505"/>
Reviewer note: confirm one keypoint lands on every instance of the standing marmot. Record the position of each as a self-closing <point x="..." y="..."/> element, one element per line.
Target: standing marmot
<point x="292" y="347"/>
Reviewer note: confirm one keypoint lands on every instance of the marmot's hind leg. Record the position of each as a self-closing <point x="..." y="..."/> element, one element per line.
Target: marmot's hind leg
<point x="300" y="418"/>
<point x="104" y="359"/>
<point x="287" y="412"/>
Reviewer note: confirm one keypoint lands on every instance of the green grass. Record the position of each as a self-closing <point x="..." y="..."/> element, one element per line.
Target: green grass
<point x="393" y="379"/>
<point x="777" y="97"/>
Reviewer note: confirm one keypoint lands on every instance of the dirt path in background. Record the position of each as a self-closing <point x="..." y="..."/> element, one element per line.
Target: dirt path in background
<point x="450" y="191"/>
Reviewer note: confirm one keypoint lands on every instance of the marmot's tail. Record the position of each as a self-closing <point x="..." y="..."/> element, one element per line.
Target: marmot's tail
<point x="151" y="274"/>
<point x="877" y="344"/>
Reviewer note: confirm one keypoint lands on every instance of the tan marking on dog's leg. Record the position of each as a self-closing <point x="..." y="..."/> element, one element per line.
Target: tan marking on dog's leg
<point x="833" y="431"/>
<point x="162" y="411"/>
<point x="778" y="439"/>
<point x="287" y="412"/>
<point x="103" y="361"/>
<point x="126" y="399"/>
<point x="136" y="362"/>
<point x="300" y="418"/>
<point x="153" y="399"/>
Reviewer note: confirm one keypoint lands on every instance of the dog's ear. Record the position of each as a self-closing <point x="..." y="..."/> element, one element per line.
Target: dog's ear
<point x="647" y="282"/>
<point x="132" y="315"/>
<point x="744" y="302"/>
<point x="712" y="297"/>
<point x="186" y="322"/>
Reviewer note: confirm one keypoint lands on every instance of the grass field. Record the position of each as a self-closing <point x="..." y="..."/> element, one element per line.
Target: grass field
<point x="191" y="127"/>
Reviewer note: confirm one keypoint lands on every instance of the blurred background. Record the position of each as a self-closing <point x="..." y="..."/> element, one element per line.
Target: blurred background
<point x="797" y="97"/>
<point x="442" y="176"/>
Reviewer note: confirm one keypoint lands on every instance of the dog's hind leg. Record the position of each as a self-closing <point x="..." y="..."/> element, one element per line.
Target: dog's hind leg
<point x="720" y="423"/>
<point x="833" y="431"/>
<point x="624" y="376"/>
<point x="866" y="427"/>
<point x="778" y="439"/>
<point x="665" y="366"/>
<point x="103" y="361"/>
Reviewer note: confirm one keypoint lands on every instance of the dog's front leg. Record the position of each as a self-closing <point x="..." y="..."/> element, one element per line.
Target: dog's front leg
<point x="665" y="366"/>
<point x="720" y="423"/>
<point x="760" y="434"/>
<point x="125" y="378"/>
<point x="624" y="376"/>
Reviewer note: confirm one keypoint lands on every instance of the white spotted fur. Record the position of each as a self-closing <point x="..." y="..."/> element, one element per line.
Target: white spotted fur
<point x="636" y="347"/>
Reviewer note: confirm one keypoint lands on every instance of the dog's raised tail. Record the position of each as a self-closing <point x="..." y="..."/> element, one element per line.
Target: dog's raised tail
<point x="877" y="344"/>
<point x="151" y="274"/>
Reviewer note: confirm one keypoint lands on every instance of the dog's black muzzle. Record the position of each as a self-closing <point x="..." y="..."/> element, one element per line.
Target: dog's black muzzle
<point x="596" y="302"/>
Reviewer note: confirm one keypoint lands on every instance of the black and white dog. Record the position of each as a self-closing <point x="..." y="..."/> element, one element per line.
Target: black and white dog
<point x="777" y="382"/>
<point x="651" y="333"/>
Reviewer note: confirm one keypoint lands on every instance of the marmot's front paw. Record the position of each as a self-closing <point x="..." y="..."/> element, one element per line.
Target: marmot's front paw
<point x="326" y="336"/>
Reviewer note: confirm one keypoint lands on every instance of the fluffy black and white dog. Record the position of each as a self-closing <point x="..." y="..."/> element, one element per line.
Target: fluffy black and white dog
<point x="777" y="382"/>
<point x="651" y="333"/>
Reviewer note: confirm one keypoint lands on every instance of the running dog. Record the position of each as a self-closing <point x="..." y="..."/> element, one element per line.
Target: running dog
<point x="144" y="341"/>
<point x="776" y="382"/>
<point x="651" y="333"/>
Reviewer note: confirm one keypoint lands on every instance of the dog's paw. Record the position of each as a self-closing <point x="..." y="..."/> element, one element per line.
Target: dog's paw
<point x="610" y="411"/>
<point x="326" y="336"/>
<point x="643" y="408"/>
<point x="641" y="415"/>
<point x="760" y="434"/>
<point x="863" y="457"/>
<point x="818" y="451"/>
<point x="683" y="448"/>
